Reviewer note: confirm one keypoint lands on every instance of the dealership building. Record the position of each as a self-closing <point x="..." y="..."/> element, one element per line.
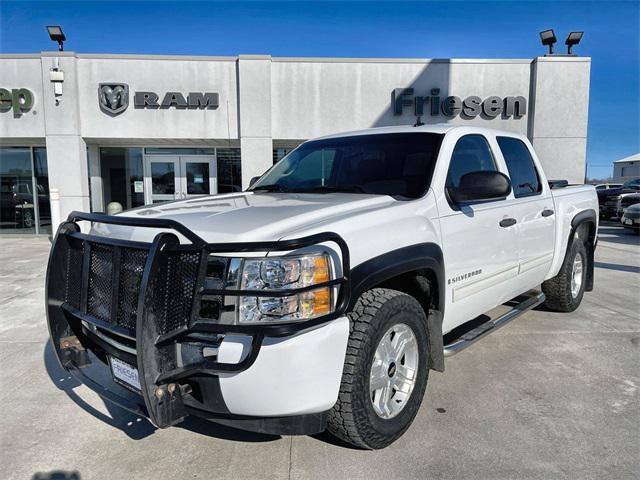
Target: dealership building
<point x="111" y="132"/>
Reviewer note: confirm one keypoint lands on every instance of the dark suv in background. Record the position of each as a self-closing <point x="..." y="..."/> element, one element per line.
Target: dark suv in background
<point x="609" y="198"/>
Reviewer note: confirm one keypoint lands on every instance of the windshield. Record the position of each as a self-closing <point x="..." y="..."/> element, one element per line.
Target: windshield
<point x="396" y="164"/>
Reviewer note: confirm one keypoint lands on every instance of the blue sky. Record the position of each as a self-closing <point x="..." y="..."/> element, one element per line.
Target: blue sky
<point x="364" y="29"/>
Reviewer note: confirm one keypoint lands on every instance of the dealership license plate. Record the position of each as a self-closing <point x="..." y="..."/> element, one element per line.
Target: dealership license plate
<point x="124" y="373"/>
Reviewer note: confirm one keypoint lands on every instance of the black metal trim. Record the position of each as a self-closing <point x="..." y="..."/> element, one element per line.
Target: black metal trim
<point x="207" y="367"/>
<point x="306" y="424"/>
<point x="421" y="256"/>
<point x="114" y="242"/>
<point x="585" y="216"/>
<point x="138" y="222"/>
<point x="125" y="332"/>
<point x="86" y="266"/>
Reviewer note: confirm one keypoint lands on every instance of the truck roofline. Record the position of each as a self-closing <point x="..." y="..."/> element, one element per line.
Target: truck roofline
<point x="440" y="128"/>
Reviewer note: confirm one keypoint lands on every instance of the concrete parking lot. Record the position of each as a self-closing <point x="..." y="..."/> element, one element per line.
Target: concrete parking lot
<point x="548" y="396"/>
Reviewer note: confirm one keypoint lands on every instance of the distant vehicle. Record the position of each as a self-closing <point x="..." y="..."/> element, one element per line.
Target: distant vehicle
<point x="626" y="200"/>
<point x="608" y="198"/>
<point x="17" y="203"/>
<point x="631" y="218"/>
<point x="606" y="186"/>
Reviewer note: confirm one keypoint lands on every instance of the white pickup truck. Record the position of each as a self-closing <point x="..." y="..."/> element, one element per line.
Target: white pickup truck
<point x="322" y="296"/>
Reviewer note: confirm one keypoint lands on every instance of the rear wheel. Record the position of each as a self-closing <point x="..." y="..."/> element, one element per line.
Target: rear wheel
<point x="564" y="292"/>
<point x="385" y="371"/>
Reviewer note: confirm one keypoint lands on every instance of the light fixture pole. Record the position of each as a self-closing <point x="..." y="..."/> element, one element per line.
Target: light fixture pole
<point x="57" y="35"/>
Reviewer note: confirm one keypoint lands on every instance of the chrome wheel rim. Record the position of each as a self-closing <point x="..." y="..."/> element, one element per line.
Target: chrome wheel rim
<point x="394" y="371"/>
<point x="576" y="275"/>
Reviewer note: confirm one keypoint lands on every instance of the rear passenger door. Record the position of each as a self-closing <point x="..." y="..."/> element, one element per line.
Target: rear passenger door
<point x="533" y="209"/>
<point x="480" y="255"/>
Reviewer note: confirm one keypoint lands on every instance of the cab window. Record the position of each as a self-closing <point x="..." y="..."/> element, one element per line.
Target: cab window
<point x="471" y="154"/>
<point x="525" y="180"/>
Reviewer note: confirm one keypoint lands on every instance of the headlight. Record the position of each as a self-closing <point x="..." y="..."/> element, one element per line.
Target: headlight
<point x="291" y="272"/>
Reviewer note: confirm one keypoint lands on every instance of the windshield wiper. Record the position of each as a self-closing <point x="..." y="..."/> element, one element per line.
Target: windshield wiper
<point x="270" y="188"/>
<point x="337" y="188"/>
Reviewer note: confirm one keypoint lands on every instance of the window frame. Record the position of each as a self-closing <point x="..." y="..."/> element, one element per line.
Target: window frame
<point x="533" y="162"/>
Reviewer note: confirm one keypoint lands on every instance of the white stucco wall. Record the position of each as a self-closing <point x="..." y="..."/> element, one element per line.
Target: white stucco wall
<point x="22" y="73"/>
<point x="560" y="113"/>
<point x="173" y="75"/>
<point x="262" y="99"/>
<point x="312" y="98"/>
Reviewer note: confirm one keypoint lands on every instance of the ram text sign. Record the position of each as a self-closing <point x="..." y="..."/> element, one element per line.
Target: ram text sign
<point x="469" y="107"/>
<point x="113" y="99"/>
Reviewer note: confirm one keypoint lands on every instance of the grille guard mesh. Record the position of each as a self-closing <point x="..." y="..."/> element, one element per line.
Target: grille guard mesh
<point x="130" y="288"/>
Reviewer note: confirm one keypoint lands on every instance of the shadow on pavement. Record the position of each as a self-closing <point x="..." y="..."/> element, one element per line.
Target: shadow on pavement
<point x="134" y="426"/>
<point x="326" y="437"/>
<point x="212" y="429"/>
<point x="615" y="233"/>
<point x="616" y="266"/>
<point x="56" y="475"/>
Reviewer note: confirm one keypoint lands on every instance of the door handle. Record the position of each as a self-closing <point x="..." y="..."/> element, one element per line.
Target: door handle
<point x="547" y="212"/>
<point x="507" y="222"/>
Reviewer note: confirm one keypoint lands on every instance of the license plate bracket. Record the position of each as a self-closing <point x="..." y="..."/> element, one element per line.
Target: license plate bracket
<point x="125" y="374"/>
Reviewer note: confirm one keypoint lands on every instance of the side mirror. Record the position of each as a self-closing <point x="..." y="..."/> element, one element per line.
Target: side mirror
<point x="253" y="180"/>
<point x="480" y="186"/>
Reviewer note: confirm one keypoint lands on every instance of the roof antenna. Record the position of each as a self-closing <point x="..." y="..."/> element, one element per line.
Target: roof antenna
<point x="419" y="122"/>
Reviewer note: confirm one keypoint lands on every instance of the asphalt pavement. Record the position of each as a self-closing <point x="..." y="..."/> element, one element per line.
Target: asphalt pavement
<point x="548" y="396"/>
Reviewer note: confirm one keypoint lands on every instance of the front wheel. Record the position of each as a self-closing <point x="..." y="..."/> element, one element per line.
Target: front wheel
<point x="385" y="371"/>
<point x="564" y="292"/>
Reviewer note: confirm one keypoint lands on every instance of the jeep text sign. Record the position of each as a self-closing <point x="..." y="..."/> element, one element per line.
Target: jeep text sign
<point x="18" y="99"/>
<point x="469" y="107"/>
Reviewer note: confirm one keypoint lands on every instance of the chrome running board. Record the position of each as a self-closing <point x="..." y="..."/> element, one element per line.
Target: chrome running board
<point x="472" y="336"/>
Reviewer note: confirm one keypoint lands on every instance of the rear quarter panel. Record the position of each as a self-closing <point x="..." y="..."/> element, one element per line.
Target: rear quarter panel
<point x="569" y="202"/>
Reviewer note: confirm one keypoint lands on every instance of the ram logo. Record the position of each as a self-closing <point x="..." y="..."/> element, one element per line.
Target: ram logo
<point x="113" y="98"/>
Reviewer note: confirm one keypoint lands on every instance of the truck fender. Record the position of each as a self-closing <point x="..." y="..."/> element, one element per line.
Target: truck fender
<point x="419" y="257"/>
<point x="584" y="217"/>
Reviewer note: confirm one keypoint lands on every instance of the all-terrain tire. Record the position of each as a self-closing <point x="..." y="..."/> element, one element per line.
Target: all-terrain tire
<point x="558" y="289"/>
<point x="353" y="418"/>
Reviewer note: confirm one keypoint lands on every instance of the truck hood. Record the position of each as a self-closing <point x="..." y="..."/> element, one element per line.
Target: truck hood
<point x="248" y="216"/>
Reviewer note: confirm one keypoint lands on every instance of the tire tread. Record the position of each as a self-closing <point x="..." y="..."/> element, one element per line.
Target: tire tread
<point x="342" y="421"/>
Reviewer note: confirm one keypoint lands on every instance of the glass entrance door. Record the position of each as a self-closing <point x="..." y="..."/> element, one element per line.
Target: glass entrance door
<point x="172" y="177"/>
<point x="162" y="178"/>
<point x="198" y="176"/>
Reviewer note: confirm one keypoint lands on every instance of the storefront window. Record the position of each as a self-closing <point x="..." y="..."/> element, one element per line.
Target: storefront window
<point x="24" y="190"/>
<point x="229" y="170"/>
<point x="122" y="178"/>
<point x="41" y="174"/>
<point x="279" y="153"/>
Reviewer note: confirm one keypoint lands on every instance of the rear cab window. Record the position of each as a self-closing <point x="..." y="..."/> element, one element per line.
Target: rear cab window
<point x="525" y="180"/>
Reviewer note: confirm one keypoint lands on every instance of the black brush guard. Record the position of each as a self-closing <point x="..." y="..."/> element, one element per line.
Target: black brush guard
<point x="146" y="292"/>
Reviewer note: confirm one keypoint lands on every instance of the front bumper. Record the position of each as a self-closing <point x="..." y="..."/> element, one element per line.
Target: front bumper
<point x="630" y="220"/>
<point x="114" y="298"/>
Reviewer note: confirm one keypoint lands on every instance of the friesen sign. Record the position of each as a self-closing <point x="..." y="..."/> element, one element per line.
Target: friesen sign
<point x="469" y="107"/>
<point x="20" y="100"/>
